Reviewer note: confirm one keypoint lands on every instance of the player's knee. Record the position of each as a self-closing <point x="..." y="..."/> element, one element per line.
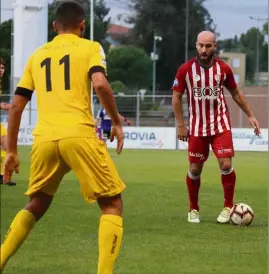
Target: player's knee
<point x="39" y="204"/>
<point x="195" y="170"/>
<point x="111" y="205"/>
<point x="226" y="166"/>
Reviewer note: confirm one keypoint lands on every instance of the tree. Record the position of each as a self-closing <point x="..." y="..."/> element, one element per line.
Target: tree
<point x="167" y="19"/>
<point x="247" y="43"/>
<point x="5" y="34"/>
<point x="118" y="87"/>
<point x="265" y="28"/>
<point x="230" y="44"/>
<point x="131" y="66"/>
<point x="5" y="51"/>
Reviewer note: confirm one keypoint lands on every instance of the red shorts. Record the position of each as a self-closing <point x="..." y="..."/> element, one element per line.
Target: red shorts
<point x="222" y="146"/>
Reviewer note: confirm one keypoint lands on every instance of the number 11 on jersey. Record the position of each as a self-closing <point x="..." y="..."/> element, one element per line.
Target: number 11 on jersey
<point x="47" y="64"/>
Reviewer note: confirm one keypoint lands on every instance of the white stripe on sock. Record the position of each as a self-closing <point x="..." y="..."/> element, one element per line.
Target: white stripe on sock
<point x="192" y="176"/>
<point x="227" y="172"/>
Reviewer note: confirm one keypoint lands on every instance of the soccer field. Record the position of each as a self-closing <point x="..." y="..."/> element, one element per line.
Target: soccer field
<point x="157" y="237"/>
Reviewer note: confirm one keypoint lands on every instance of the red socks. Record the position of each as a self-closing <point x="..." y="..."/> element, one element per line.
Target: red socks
<point x="228" y="179"/>
<point x="193" y="184"/>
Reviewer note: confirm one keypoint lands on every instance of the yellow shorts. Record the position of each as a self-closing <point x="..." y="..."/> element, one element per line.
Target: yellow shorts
<point x="87" y="157"/>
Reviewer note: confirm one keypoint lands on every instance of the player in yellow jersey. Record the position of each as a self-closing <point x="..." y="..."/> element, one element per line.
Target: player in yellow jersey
<point x="60" y="72"/>
<point x="3" y="131"/>
<point x="3" y="144"/>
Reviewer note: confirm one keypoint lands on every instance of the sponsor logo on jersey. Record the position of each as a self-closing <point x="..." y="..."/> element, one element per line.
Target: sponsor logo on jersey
<point x="207" y="92"/>
<point x="197" y="155"/>
<point x="217" y="77"/>
<point x="225" y="150"/>
<point x="197" y="78"/>
<point x="175" y="84"/>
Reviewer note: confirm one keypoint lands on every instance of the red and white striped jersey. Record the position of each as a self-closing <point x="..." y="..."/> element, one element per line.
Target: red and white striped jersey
<point x="208" y="111"/>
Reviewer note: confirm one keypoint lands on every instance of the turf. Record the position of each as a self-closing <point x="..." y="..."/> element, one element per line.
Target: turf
<point x="157" y="237"/>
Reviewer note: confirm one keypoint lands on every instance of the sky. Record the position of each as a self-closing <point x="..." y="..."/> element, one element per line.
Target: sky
<point x="230" y="16"/>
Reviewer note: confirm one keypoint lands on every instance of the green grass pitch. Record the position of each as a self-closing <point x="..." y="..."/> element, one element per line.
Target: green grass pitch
<point x="157" y="237"/>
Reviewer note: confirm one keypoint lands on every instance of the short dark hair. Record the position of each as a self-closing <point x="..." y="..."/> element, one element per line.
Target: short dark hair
<point x="2" y="62"/>
<point x="69" y="14"/>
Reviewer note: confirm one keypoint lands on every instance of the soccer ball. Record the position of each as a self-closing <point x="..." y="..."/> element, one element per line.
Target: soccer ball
<point x="241" y="214"/>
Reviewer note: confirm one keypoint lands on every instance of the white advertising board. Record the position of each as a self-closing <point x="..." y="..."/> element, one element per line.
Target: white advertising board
<point x="148" y="138"/>
<point x="245" y="140"/>
<point x="25" y="135"/>
<point x="165" y="138"/>
<point x="134" y="137"/>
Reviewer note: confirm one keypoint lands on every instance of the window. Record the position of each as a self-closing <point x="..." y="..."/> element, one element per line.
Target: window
<point x="236" y="63"/>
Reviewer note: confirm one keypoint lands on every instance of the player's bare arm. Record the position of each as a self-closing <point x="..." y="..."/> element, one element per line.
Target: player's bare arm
<point x="14" y="119"/>
<point x="183" y="132"/>
<point x="105" y="95"/>
<point x="240" y="99"/>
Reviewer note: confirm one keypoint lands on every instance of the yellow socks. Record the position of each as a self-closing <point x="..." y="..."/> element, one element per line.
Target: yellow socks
<point x="110" y="235"/>
<point x="18" y="231"/>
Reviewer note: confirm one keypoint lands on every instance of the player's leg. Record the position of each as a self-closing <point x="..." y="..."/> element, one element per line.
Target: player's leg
<point x="198" y="153"/>
<point x="106" y="134"/>
<point x="47" y="170"/>
<point x="99" y="132"/>
<point x="222" y="145"/>
<point x="99" y="180"/>
<point x="22" y="225"/>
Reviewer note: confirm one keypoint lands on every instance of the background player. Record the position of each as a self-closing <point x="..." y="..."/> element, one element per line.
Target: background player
<point x="64" y="137"/>
<point x="2" y="72"/>
<point x="104" y="124"/>
<point x="204" y="78"/>
<point x="3" y="143"/>
<point x="3" y="132"/>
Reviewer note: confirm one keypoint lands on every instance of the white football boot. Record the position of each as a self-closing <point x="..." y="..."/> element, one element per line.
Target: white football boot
<point x="193" y="216"/>
<point x="224" y="216"/>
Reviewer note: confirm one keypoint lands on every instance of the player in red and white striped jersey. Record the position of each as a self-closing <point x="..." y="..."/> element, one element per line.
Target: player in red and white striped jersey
<point x="203" y="78"/>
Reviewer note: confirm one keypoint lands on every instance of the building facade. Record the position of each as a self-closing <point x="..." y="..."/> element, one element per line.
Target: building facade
<point x="237" y="62"/>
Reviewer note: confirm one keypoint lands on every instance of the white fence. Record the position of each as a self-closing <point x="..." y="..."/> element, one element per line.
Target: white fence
<point x="165" y="138"/>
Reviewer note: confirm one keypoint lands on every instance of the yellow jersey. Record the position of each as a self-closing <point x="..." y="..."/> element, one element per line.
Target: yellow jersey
<point x="3" y="130"/>
<point x="59" y="72"/>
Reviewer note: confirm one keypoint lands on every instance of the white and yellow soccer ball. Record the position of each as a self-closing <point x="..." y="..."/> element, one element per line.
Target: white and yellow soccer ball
<point x="241" y="214"/>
